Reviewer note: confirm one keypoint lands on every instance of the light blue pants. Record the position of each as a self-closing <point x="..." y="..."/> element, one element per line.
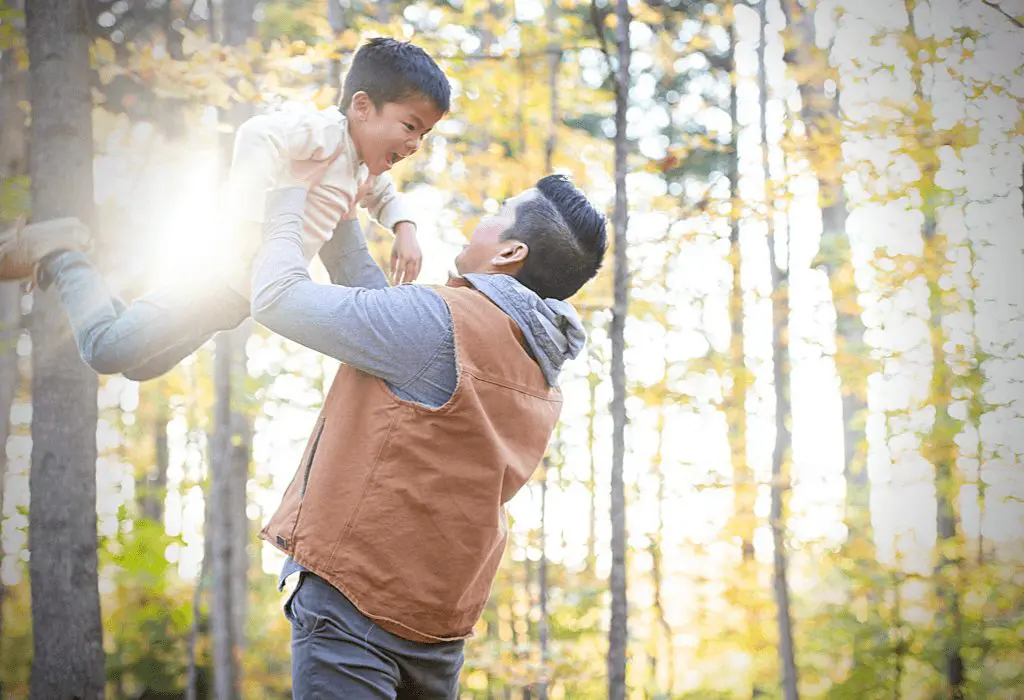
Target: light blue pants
<point x="337" y="652"/>
<point x="154" y="333"/>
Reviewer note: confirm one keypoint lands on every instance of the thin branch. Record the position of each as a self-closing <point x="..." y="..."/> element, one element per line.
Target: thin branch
<point x="1010" y="18"/>
<point x="597" y="19"/>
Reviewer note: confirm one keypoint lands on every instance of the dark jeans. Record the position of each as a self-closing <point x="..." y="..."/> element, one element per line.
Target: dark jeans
<point x="337" y="652"/>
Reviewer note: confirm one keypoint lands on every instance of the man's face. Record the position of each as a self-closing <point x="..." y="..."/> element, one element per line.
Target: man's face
<point x="485" y="250"/>
<point x="385" y="136"/>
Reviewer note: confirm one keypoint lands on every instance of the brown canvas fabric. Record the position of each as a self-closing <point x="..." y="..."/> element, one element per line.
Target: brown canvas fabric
<point x="401" y="506"/>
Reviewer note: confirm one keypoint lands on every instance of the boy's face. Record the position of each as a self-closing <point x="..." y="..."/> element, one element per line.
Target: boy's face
<point x="395" y="131"/>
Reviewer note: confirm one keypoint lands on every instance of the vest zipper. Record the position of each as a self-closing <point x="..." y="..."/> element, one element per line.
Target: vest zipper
<point x="309" y="462"/>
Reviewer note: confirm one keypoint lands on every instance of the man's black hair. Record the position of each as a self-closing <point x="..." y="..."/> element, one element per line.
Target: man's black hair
<point x="566" y="236"/>
<point x="391" y="71"/>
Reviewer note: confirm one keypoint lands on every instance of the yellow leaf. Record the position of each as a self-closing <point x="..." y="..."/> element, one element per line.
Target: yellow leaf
<point x="248" y="91"/>
<point x="105" y="51"/>
<point x="191" y="43"/>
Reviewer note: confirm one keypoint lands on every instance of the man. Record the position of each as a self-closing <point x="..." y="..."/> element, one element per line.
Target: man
<point x="441" y="412"/>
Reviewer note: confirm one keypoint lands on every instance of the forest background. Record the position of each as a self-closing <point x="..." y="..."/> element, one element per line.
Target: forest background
<point x="789" y="462"/>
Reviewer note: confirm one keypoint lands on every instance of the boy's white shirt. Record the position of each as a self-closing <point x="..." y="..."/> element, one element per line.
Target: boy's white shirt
<point x="264" y="149"/>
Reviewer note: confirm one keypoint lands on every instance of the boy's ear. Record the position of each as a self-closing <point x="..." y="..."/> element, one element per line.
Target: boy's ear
<point x="361" y="106"/>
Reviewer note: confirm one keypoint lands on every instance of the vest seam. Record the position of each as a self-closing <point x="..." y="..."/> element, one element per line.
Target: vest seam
<point x="461" y="366"/>
<point x="512" y="386"/>
<point x="374" y="618"/>
<point x="308" y="470"/>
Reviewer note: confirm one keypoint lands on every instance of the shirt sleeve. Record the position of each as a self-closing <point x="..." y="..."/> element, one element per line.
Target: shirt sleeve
<point x="391" y="332"/>
<point x="386" y="204"/>
<point x="267" y="143"/>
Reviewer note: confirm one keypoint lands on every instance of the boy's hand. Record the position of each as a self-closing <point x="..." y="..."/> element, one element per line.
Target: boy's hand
<point x="406" y="256"/>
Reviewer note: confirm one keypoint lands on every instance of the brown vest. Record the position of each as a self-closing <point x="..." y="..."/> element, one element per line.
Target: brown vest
<point x="401" y="506"/>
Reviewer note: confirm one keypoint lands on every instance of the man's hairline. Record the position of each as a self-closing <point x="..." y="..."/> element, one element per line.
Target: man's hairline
<point x="505" y="235"/>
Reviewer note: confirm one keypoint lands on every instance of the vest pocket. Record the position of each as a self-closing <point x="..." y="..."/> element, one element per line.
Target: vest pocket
<point x="312" y="455"/>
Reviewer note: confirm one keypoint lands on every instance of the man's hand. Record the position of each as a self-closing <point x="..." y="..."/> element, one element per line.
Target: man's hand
<point x="406" y="256"/>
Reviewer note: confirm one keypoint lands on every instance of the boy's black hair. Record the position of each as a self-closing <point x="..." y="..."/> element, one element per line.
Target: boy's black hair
<point x="566" y="236"/>
<point x="391" y="71"/>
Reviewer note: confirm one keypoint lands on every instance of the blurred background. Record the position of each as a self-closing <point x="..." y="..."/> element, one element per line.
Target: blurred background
<point x="789" y="461"/>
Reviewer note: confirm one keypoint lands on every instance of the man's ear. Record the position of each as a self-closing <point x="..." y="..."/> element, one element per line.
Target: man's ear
<point x="361" y="106"/>
<point x="511" y="253"/>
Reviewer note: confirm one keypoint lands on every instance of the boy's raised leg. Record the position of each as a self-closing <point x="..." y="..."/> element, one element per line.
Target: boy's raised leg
<point x="148" y="337"/>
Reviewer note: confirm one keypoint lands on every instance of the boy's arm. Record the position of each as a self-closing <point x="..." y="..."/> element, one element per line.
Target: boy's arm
<point x="392" y="333"/>
<point x="386" y="204"/>
<point x="392" y="209"/>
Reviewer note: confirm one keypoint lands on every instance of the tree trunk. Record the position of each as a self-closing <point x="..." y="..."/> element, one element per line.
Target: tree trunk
<point x="151" y="487"/>
<point x="593" y="379"/>
<point x="940" y="445"/>
<point x="783" y="439"/>
<point x="239" y="25"/>
<point x="656" y="545"/>
<point x="554" y="60"/>
<point x="744" y="518"/>
<point x="225" y="646"/>
<point x="241" y="453"/>
<point x="67" y="633"/>
<point x="736" y="412"/>
<point x="820" y="115"/>
<point x="618" y="636"/>
<point x="229" y="455"/>
<point x="542" y="684"/>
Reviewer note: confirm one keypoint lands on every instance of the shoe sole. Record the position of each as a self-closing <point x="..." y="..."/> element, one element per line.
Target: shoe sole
<point x="11" y="270"/>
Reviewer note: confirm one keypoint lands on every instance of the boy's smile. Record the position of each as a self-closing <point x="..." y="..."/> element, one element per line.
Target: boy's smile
<point x="384" y="137"/>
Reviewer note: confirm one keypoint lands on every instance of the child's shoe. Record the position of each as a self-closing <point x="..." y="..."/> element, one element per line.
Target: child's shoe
<point x="23" y="245"/>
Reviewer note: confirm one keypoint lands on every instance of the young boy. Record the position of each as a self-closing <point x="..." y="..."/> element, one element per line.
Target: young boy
<point x="393" y="96"/>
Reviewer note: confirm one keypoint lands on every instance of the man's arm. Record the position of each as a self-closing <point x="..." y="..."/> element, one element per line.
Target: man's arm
<point x="347" y="258"/>
<point x="392" y="332"/>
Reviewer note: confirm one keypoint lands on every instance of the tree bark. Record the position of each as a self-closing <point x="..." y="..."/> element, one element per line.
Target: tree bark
<point x="554" y="60"/>
<point x="820" y="115"/>
<point x="618" y="636"/>
<point x="151" y="487"/>
<point x="542" y="683"/>
<point x="239" y="25"/>
<point x="230" y="449"/>
<point x="67" y="633"/>
<point x="225" y="646"/>
<point x="744" y="517"/>
<point x="940" y="445"/>
<point x="593" y="379"/>
<point x="241" y="453"/>
<point x="780" y="370"/>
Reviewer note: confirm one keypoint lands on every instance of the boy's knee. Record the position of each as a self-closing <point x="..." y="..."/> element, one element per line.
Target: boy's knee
<point x="103" y="363"/>
<point x="103" y="356"/>
<point x="141" y="374"/>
